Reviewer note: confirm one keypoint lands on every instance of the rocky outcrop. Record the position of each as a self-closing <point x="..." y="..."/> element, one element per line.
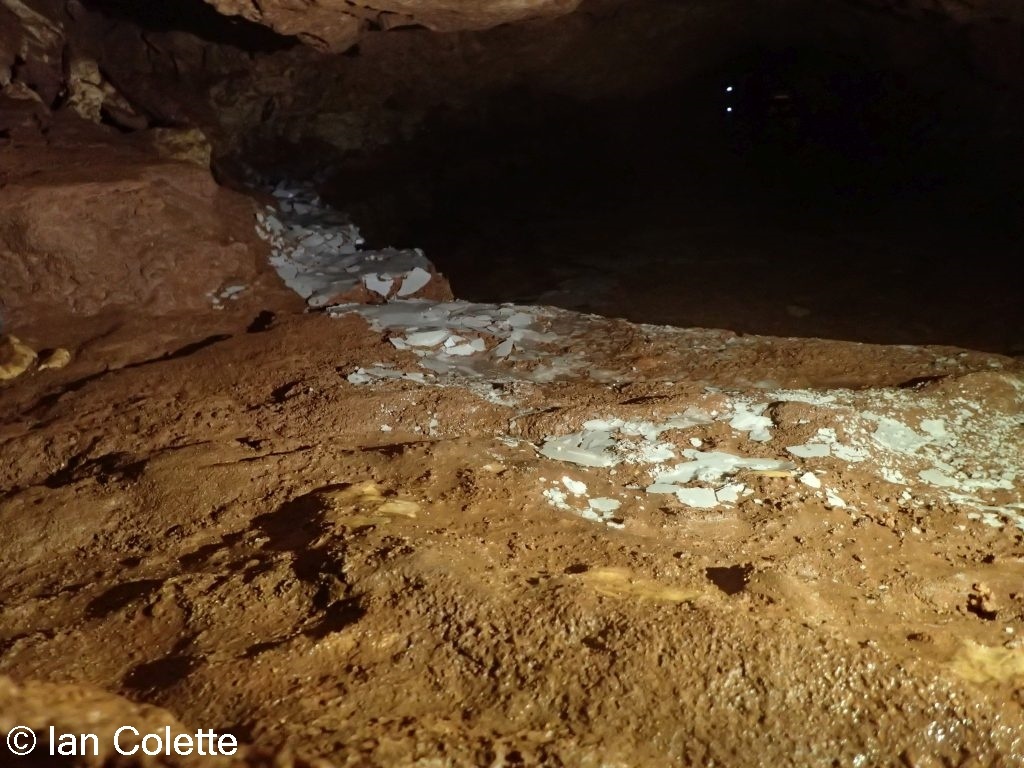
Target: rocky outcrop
<point x="116" y="225"/>
<point x="337" y="24"/>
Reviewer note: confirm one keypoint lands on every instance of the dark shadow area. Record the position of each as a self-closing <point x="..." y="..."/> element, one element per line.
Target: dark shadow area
<point x="112" y="466"/>
<point x="789" y="191"/>
<point x="731" y="579"/>
<point x="296" y="528"/>
<point x="120" y="596"/>
<point x="160" y="675"/>
<point x="48" y="401"/>
<point x="198" y="18"/>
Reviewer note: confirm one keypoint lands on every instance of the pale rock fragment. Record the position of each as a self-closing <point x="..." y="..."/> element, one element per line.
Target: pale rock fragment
<point x="810" y="450"/>
<point x="588" y="449"/>
<point x="15" y="358"/>
<point x="833" y="500"/>
<point x="399" y="508"/>
<point x="557" y="498"/>
<point x="414" y="281"/>
<point x="701" y="498"/>
<point x="58" y="358"/>
<point x="427" y="338"/>
<point x="937" y="477"/>
<point x="711" y="466"/>
<point x="730" y="494"/>
<point x="748" y="418"/>
<point x="810" y="479"/>
<point x="504" y="349"/>
<point x="575" y="487"/>
<point x="378" y="284"/>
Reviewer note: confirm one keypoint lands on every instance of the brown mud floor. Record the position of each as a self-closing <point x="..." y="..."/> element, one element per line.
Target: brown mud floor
<point x="212" y="527"/>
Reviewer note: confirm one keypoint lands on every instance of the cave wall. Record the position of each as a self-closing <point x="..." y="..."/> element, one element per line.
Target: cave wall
<point x="335" y="25"/>
<point x="288" y="91"/>
<point x="106" y="199"/>
<point x="383" y="78"/>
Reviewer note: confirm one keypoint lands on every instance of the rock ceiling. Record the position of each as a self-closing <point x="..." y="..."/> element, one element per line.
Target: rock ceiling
<point x="336" y="24"/>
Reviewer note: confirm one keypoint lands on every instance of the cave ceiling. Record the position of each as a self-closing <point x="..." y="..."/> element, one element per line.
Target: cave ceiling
<point x="337" y="24"/>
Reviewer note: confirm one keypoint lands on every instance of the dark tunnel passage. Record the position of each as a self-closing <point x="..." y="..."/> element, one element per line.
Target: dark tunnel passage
<point x="789" y="191"/>
<point x="796" y="169"/>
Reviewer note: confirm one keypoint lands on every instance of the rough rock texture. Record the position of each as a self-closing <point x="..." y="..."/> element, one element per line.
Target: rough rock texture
<point x="337" y="24"/>
<point x="78" y="709"/>
<point x="225" y="518"/>
<point x="375" y="575"/>
<point x="251" y="88"/>
<point x="65" y="227"/>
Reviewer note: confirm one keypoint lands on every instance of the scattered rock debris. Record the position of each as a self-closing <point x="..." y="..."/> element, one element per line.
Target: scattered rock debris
<point x="423" y="531"/>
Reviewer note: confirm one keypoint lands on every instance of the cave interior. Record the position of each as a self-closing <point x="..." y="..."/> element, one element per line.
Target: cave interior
<point x="831" y="169"/>
<point x="659" y="400"/>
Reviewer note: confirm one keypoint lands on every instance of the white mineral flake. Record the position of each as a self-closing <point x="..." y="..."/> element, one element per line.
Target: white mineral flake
<point x="730" y="494"/>
<point x="849" y="453"/>
<point x="465" y="349"/>
<point x="748" y="418"/>
<point x="894" y="476"/>
<point x="711" y="466"/>
<point x="935" y="428"/>
<point x="590" y="448"/>
<point x="810" y="479"/>
<point x="427" y="338"/>
<point x="504" y="349"/>
<point x="650" y="453"/>
<point x="575" y="487"/>
<point x="359" y="377"/>
<point x="520" y="320"/>
<point x="232" y="291"/>
<point x="699" y="498"/>
<point x="557" y="498"/>
<point x="833" y="500"/>
<point x="937" y="477"/>
<point x="803" y="396"/>
<point x="810" y="450"/>
<point x="896" y="436"/>
<point x="414" y="281"/>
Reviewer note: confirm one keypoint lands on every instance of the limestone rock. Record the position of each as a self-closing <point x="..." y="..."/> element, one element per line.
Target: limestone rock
<point x="55" y="360"/>
<point x="336" y="24"/>
<point x="189" y="145"/>
<point x="135" y="231"/>
<point x="93" y="97"/>
<point x="15" y="358"/>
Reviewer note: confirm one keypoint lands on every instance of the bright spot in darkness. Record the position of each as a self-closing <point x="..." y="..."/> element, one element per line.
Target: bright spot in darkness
<point x="728" y="109"/>
<point x="728" y="89"/>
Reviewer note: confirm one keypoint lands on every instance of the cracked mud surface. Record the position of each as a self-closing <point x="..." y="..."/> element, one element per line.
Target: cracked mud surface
<point x="220" y="526"/>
